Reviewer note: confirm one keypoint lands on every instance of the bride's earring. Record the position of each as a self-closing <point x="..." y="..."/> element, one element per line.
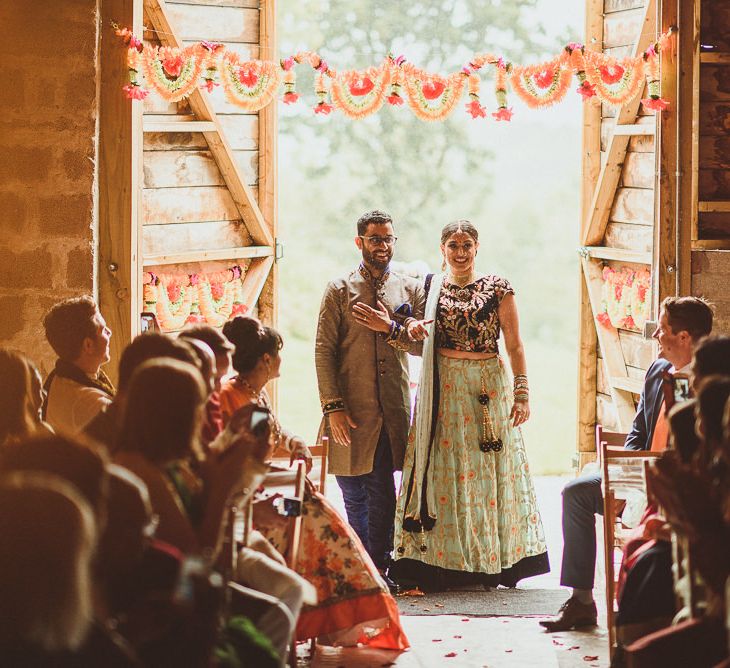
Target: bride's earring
<point x="443" y="264"/>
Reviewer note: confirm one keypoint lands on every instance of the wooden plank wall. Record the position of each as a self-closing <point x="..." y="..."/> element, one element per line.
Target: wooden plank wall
<point x="631" y="222"/>
<point x="186" y="205"/>
<point x="710" y="255"/>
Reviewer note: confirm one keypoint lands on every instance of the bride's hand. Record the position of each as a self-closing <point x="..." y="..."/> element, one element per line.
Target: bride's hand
<point x="520" y="413"/>
<point x="417" y="329"/>
<point x="376" y="319"/>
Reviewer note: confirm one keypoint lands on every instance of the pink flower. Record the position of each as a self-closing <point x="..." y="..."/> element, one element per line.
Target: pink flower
<point x="400" y="60"/>
<point x="629" y="323"/>
<point x="323" y="108"/>
<point x="247" y="77"/>
<point x="322" y="66"/>
<point x="211" y="46"/>
<point x="209" y="85"/>
<point x="604" y="319"/>
<point x="239" y="309"/>
<point x="611" y="74"/>
<point x="503" y="114"/>
<point x="432" y="89"/>
<point x="290" y="98"/>
<point x="173" y="65"/>
<point x="476" y="110"/>
<point x="194" y="279"/>
<point x="395" y="99"/>
<point x="650" y="52"/>
<point x="361" y="86"/>
<point x="655" y="103"/>
<point x="574" y="46"/>
<point x="545" y="78"/>
<point x="287" y="63"/>
<point x="586" y="90"/>
<point x="135" y="92"/>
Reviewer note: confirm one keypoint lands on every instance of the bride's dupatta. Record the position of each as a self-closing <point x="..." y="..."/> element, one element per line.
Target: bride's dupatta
<point x="420" y="506"/>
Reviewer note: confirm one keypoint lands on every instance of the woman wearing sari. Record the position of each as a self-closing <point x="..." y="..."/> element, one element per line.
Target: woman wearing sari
<point x="466" y="511"/>
<point x="354" y="604"/>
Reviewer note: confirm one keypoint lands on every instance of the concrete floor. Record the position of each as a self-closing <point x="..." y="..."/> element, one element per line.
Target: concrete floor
<point x="492" y="642"/>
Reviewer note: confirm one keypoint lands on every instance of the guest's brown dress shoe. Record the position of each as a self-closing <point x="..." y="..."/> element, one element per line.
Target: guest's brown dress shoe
<point x="572" y="615"/>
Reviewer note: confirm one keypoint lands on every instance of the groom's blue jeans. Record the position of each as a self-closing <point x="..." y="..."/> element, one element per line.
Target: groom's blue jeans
<point x="370" y="503"/>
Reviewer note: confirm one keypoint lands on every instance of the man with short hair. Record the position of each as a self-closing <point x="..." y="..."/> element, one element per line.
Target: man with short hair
<point x="77" y="389"/>
<point x="683" y="321"/>
<point x="363" y="382"/>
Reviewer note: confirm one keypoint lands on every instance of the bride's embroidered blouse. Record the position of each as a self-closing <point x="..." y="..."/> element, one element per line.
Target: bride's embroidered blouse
<point x="467" y="318"/>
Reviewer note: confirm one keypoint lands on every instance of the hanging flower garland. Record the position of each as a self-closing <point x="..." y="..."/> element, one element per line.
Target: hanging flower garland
<point x="171" y="72"/>
<point x="614" y="82"/>
<point x="180" y="299"/>
<point x="430" y="96"/>
<point x="249" y="84"/>
<point x="541" y="85"/>
<point x="625" y="298"/>
<point x="361" y="93"/>
<point x="174" y="73"/>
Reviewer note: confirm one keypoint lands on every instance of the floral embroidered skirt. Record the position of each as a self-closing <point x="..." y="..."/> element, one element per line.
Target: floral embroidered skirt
<point x="488" y="529"/>
<point x="354" y="604"/>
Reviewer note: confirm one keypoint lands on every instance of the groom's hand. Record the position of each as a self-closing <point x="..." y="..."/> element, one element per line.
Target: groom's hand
<point x="340" y="425"/>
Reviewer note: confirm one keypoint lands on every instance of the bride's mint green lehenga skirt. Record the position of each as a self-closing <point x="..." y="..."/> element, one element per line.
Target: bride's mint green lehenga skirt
<point x="488" y="529"/>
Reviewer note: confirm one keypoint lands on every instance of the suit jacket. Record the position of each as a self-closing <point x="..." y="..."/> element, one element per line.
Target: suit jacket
<point x="359" y="366"/>
<point x="650" y="403"/>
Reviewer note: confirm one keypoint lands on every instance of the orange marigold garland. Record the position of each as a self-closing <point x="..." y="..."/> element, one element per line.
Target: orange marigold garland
<point x="655" y="102"/>
<point x="249" y="84"/>
<point x="625" y="298"/>
<point x="541" y="85"/>
<point x="360" y="93"/>
<point x="615" y="82"/>
<point x="430" y="96"/>
<point x="395" y="98"/>
<point x="503" y="113"/>
<point x="210" y="65"/>
<point x="171" y="72"/>
<point x="132" y="90"/>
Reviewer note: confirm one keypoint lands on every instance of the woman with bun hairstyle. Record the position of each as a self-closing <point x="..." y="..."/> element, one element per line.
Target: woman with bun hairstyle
<point x="354" y="604"/>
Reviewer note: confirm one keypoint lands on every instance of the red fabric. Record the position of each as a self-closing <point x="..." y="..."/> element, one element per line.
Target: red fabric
<point x="213" y="423"/>
<point x="348" y="613"/>
<point x="661" y="431"/>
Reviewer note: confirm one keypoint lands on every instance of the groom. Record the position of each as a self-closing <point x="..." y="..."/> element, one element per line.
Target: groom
<point x="683" y="321"/>
<point x="363" y="383"/>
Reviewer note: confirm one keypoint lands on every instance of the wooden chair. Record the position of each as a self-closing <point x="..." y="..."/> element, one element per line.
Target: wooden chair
<point x="622" y="472"/>
<point x="318" y="474"/>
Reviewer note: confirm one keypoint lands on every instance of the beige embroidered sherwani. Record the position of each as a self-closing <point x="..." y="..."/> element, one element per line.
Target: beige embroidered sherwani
<point x="361" y="368"/>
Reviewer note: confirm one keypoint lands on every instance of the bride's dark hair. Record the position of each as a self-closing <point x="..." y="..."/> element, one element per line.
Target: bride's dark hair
<point x="459" y="226"/>
<point x="252" y="341"/>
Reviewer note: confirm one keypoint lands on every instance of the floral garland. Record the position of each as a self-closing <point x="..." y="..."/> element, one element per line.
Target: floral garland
<point x="174" y="73"/>
<point x="625" y="298"/>
<point x="180" y="299"/>
<point x="249" y="84"/>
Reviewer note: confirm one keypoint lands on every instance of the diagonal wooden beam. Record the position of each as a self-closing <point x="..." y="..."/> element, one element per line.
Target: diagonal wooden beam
<point x="255" y="278"/>
<point x="200" y="104"/>
<point x="613" y="356"/>
<point x="608" y="179"/>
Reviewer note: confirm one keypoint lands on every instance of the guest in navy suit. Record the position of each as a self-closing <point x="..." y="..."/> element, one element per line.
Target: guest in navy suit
<point x="683" y="321"/>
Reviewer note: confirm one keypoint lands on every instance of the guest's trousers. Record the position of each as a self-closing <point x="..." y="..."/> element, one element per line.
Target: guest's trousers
<point x="582" y="500"/>
<point x="370" y="503"/>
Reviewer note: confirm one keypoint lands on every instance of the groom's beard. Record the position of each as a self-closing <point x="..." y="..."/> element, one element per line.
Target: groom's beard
<point x="379" y="259"/>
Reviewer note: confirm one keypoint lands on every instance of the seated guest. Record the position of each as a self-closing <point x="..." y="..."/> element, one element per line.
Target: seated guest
<point x="77" y="389"/>
<point x="192" y="494"/>
<point x="150" y="345"/>
<point x="48" y="543"/>
<point x="354" y="604"/>
<point x="20" y="398"/>
<point x="683" y="321"/>
<point x="222" y="349"/>
<point x="712" y="357"/>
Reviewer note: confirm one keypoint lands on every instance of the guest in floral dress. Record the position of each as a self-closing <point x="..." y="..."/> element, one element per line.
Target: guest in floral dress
<point x="466" y="510"/>
<point x="354" y="604"/>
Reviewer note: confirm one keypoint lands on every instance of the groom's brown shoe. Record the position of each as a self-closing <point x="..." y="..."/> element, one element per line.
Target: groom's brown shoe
<point x="572" y="615"/>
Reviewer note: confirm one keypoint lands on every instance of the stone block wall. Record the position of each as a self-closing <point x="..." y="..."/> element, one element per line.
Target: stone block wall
<point x="48" y="113"/>
<point x="711" y="279"/>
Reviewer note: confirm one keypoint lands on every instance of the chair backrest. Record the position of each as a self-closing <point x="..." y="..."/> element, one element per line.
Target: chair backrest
<point x="295" y="522"/>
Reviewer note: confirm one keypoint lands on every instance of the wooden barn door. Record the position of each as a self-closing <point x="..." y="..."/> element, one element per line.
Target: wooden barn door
<point x="202" y="182"/>
<point x="618" y="224"/>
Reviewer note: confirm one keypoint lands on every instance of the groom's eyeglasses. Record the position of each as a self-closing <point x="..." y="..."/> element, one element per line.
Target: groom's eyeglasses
<point x="379" y="241"/>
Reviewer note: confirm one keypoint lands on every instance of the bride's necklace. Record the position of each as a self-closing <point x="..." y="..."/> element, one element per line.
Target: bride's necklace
<point x="462" y="279"/>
